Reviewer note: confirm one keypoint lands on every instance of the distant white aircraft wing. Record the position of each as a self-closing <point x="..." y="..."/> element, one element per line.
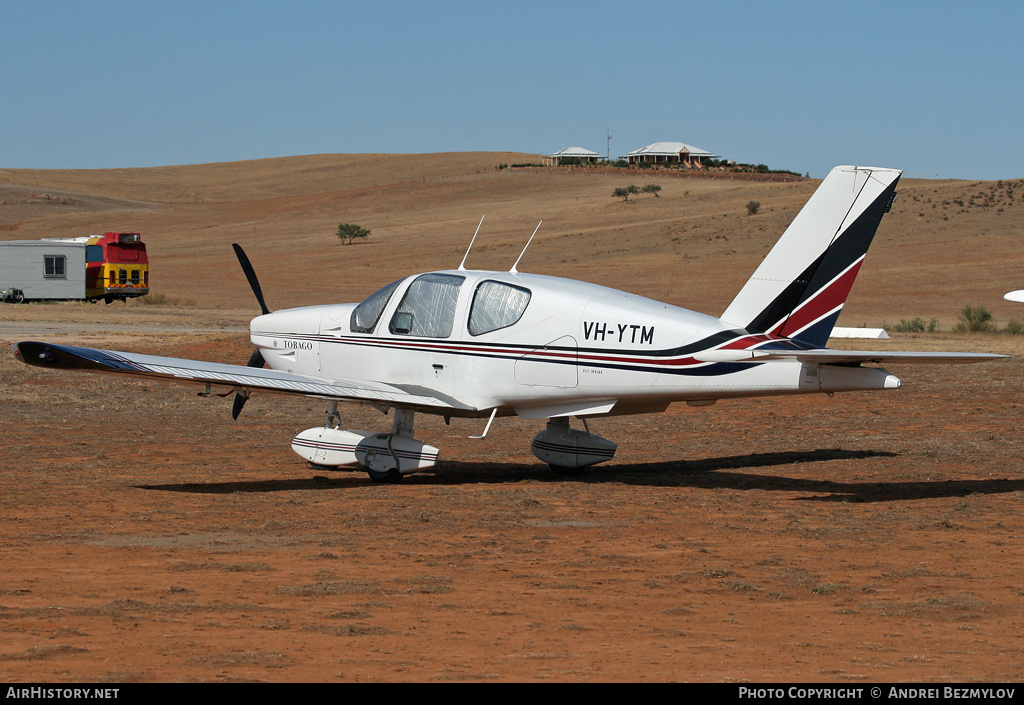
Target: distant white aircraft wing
<point x="67" y="357"/>
<point x="844" y="357"/>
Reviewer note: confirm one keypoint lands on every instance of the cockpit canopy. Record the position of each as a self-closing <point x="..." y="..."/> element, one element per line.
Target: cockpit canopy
<point x="428" y="306"/>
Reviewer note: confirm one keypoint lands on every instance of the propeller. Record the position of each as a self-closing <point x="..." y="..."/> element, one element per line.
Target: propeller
<point x="250" y="274"/>
<point x="256" y="359"/>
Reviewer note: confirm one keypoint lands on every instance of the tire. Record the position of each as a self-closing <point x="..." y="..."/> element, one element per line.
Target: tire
<point x="388" y="477"/>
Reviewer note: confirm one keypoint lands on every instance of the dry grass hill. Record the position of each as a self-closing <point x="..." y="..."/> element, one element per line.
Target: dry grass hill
<point x="946" y="244"/>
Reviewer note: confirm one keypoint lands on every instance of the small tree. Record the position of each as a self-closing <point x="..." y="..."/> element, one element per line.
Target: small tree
<point x="753" y="207"/>
<point x="347" y="232"/>
<point x="625" y="193"/>
<point x="651" y="188"/>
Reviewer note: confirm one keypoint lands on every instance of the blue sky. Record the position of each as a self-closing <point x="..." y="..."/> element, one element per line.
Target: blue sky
<point x="934" y="88"/>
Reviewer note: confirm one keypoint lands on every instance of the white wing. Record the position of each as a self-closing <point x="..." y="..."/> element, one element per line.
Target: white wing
<point x="67" y="357"/>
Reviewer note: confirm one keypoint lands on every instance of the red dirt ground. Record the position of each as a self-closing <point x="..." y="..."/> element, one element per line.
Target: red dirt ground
<point x="146" y="537"/>
<point x="867" y="537"/>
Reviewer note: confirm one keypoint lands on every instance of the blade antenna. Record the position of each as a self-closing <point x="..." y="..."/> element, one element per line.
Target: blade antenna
<point x="462" y="265"/>
<point x="514" y="270"/>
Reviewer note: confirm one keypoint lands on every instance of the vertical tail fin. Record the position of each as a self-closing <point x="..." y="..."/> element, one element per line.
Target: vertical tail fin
<point x="800" y="287"/>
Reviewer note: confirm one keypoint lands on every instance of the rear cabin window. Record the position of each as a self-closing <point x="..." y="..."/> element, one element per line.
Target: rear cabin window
<point x="365" y="316"/>
<point x="428" y="308"/>
<point x="496" y="305"/>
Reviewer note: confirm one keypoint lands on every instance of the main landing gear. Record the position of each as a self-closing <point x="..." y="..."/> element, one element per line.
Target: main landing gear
<point x="569" y="450"/>
<point x="386" y="457"/>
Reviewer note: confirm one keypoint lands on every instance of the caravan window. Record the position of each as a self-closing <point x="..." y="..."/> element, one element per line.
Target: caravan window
<point x="55" y="266"/>
<point x="496" y="305"/>
<point x="428" y="307"/>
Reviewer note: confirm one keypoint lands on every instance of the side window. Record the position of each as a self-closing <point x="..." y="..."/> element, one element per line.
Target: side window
<point x="365" y="316"/>
<point x="496" y="305"/>
<point x="428" y="307"/>
<point x="55" y="266"/>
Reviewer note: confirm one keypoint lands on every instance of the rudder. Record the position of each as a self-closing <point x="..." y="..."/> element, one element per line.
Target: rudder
<point x="799" y="289"/>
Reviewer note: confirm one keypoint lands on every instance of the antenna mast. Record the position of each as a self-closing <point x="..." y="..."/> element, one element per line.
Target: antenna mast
<point x="462" y="265"/>
<point x="514" y="270"/>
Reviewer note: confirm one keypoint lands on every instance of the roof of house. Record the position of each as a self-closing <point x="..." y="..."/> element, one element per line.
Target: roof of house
<point x="671" y="149"/>
<point x="575" y="152"/>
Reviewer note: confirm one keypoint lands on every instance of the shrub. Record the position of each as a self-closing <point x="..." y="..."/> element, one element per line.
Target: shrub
<point x="974" y="320"/>
<point x="1014" y="328"/>
<point x="753" y="207"/>
<point x="916" y="325"/>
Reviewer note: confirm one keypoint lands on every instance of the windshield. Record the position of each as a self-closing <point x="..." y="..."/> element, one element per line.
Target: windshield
<point x="365" y="316"/>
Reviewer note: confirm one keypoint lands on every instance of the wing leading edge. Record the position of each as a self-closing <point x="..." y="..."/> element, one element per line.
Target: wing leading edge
<point x="67" y="357"/>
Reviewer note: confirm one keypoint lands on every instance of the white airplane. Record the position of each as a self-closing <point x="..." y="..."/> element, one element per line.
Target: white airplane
<point x="482" y="344"/>
<point x="1015" y="296"/>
